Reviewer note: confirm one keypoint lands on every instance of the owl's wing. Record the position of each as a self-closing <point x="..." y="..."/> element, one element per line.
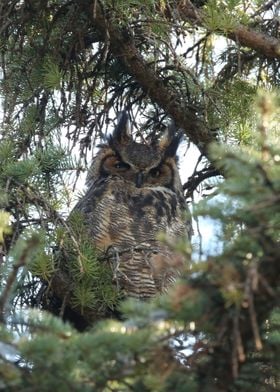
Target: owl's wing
<point x="88" y="201"/>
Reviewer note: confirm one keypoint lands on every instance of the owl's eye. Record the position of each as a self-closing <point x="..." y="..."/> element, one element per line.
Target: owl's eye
<point x="155" y="172"/>
<point x="122" y="165"/>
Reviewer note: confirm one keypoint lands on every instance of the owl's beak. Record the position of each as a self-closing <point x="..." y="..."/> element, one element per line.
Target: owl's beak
<point x="139" y="179"/>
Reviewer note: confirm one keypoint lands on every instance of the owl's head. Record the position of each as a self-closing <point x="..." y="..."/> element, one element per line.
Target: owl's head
<point x="142" y="164"/>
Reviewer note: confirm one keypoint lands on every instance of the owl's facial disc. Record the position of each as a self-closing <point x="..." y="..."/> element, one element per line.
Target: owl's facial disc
<point x="141" y="156"/>
<point x="161" y="174"/>
<point x="142" y="164"/>
<point x="113" y="164"/>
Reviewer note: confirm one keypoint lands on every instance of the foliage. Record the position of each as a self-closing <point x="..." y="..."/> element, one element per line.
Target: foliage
<point x="138" y="352"/>
<point x="67" y="68"/>
<point x="224" y="15"/>
<point x="4" y="225"/>
<point x="91" y="276"/>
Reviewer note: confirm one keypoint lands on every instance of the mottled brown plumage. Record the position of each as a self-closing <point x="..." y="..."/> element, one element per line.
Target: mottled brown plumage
<point x="134" y="193"/>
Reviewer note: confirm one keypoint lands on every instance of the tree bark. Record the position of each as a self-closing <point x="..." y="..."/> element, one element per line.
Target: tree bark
<point x="264" y="44"/>
<point x="124" y="49"/>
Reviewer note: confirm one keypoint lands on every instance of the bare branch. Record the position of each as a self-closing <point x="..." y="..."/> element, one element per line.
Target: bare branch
<point x="197" y="177"/>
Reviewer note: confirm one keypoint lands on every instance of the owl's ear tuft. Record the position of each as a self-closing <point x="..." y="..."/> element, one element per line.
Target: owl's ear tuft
<point x="169" y="142"/>
<point x="122" y="132"/>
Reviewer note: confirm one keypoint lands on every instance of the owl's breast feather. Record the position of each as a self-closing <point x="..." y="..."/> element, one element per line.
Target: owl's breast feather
<point x="127" y="216"/>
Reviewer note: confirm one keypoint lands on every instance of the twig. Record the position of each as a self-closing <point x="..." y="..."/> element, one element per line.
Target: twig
<point x="265" y="7"/>
<point x="2" y="254"/>
<point x="41" y="201"/>
<point x="124" y="49"/>
<point x="266" y="285"/>
<point x="63" y="306"/>
<point x="239" y="343"/>
<point x="30" y="245"/>
<point x="254" y="323"/>
<point x="238" y="353"/>
<point x="243" y="35"/>
<point x="197" y="177"/>
<point x="251" y="285"/>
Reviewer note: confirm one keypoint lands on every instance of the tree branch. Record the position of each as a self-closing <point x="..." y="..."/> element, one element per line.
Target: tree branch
<point x="197" y="178"/>
<point x="124" y="49"/>
<point x="30" y="245"/>
<point x="243" y="35"/>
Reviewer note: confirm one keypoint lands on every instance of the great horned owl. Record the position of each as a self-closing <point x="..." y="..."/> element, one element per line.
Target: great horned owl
<point x="134" y="193"/>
